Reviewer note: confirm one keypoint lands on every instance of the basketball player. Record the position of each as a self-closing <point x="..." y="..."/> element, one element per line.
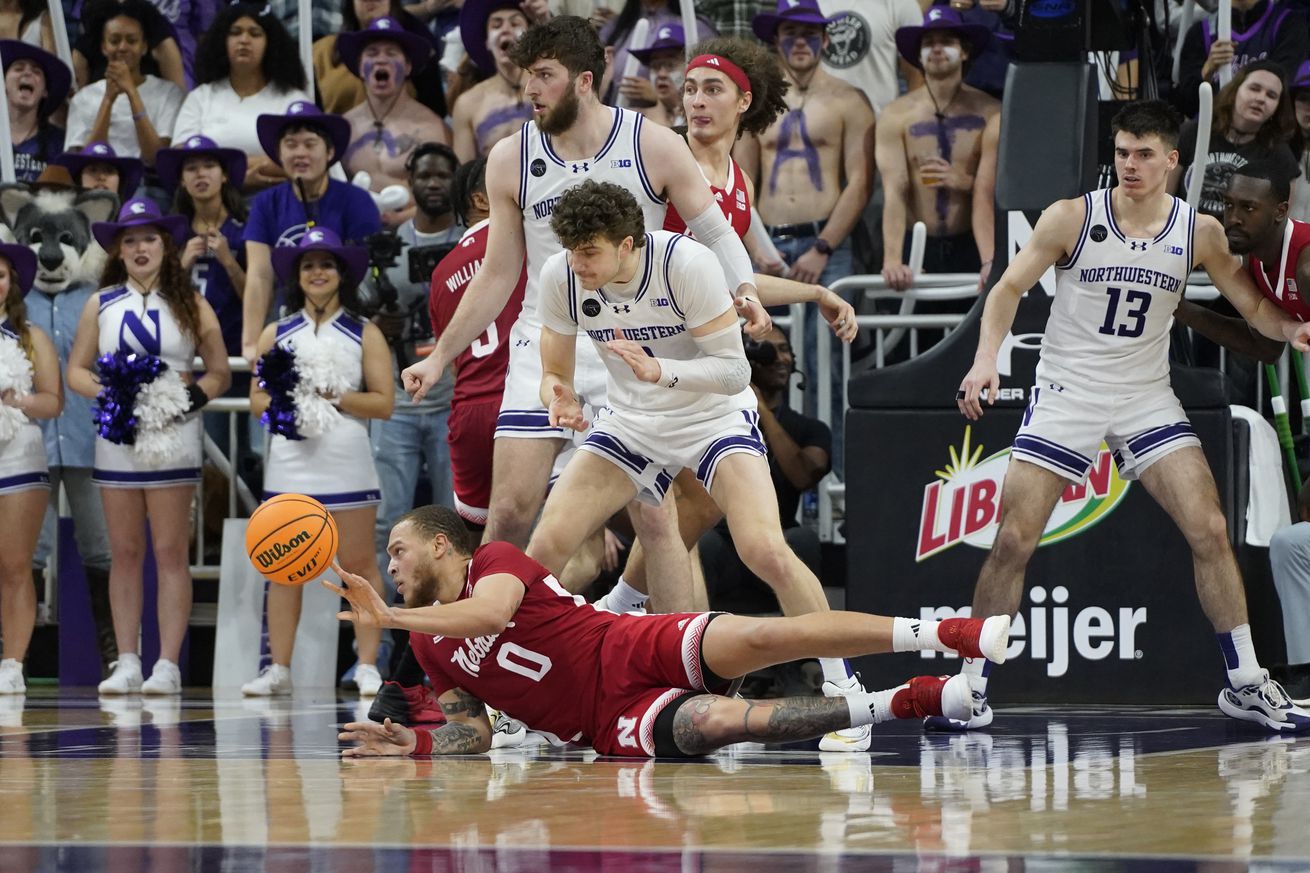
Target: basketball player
<point x="573" y="138"/>
<point x="679" y="397"/>
<point x="1122" y="258"/>
<point x="492" y="625"/>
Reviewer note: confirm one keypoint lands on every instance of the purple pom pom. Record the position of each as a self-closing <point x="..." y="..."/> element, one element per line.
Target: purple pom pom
<point x="122" y="374"/>
<point x="277" y="375"/>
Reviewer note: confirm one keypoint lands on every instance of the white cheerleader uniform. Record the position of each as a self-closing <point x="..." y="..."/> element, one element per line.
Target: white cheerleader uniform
<point x="336" y="467"/>
<point x="22" y="458"/>
<point x="130" y="321"/>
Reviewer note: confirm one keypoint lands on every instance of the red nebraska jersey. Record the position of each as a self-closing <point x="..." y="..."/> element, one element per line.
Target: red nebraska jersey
<point x="733" y="200"/>
<point x="480" y="369"/>
<point x="544" y="668"/>
<point x="1289" y="297"/>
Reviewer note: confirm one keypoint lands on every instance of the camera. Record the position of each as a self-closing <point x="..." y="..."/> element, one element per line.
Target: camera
<point x="423" y="261"/>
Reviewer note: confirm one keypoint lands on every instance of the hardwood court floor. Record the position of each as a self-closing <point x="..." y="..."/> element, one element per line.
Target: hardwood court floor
<point x="234" y="786"/>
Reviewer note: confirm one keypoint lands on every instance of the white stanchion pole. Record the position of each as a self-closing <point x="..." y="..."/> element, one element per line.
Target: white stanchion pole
<point x="1202" y="152"/>
<point x="1226" y="35"/>
<point x="918" y="241"/>
<point x="637" y="41"/>
<point x="690" y="32"/>
<point x="1184" y="25"/>
<point x="60" y="27"/>
<point x="7" y="138"/>
<point x="306" y="15"/>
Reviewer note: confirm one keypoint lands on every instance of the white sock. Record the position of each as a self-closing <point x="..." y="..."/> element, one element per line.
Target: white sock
<point x="1239" y="657"/>
<point x="917" y="635"/>
<point x="978" y="670"/>
<point x="624" y="598"/>
<point x="871" y="707"/>
<point x="835" y="670"/>
<point x="129" y="659"/>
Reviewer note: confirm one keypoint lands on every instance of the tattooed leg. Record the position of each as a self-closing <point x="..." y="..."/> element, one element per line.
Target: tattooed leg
<point x="708" y="722"/>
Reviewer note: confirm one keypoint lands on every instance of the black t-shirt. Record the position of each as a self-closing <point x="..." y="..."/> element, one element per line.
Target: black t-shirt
<point x="806" y="432"/>
<point x="94" y="15"/>
<point x="1225" y="159"/>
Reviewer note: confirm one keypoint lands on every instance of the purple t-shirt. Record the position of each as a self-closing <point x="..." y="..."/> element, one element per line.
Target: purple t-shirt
<point x="278" y="218"/>
<point x="212" y="281"/>
<point x="32" y="155"/>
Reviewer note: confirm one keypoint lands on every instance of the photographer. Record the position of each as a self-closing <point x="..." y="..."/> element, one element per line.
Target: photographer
<point x="415" y="435"/>
<point x="799" y="457"/>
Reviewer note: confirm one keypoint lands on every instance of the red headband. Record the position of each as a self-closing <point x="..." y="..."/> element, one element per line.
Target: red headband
<point x="723" y="65"/>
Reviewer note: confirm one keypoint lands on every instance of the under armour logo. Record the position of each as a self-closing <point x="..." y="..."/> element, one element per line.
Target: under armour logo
<point x="137" y="208"/>
<point x="621" y="307"/>
<point x="580" y="167"/>
<point x="673" y="383"/>
<point x="1137" y="245"/>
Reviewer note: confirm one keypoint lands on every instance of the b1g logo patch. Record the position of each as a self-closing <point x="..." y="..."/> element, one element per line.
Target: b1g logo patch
<point x="591" y="308"/>
<point x="1099" y="233"/>
<point x="538" y="168"/>
<point x="848" y="41"/>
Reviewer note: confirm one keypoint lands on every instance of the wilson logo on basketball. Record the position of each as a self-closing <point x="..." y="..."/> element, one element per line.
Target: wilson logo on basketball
<point x="963" y="505"/>
<point x="276" y="552"/>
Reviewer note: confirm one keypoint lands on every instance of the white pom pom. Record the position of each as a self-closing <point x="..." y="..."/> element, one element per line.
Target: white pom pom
<point x="324" y="372"/>
<point x="160" y="404"/>
<point x="15" y="376"/>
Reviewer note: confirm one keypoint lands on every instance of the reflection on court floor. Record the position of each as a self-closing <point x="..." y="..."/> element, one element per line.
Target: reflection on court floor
<point x="232" y="785"/>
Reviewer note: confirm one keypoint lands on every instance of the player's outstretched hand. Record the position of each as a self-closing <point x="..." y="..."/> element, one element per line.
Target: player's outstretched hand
<point x="643" y="365"/>
<point x="367" y="608"/>
<point x="418" y="379"/>
<point x="758" y="322"/>
<point x="969" y="398"/>
<point x="374" y="740"/>
<point x="839" y="314"/>
<point x="566" y="411"/>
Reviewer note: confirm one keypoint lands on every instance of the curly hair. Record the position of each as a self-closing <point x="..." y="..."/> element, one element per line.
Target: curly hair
<point x="347" y="293"/>
<point x="1280" y="127"/>
<point x="598" y="209"/>
<point x="469" y="179"/>
<point x="568" y="39"/>
<point x="768" y="85"/>
<point x="281" y="62"/>
<point x="175" y="286"/>
<point x="15" y="312"/>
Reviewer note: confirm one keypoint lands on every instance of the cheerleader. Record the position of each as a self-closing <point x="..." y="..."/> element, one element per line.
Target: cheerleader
<point x="320" y="444"/>
<point x="30" y="388"/>
<point x="148" y="450"/>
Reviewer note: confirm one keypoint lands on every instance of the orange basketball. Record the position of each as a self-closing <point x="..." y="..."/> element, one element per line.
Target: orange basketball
<point x="291" y="539"/>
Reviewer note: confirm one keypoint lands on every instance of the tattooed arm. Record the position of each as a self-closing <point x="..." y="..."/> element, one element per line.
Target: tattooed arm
<point x="466" y="732"/>
<point x="708" y="722"/>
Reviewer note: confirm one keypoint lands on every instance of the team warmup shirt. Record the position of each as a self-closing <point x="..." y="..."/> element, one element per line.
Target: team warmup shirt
<point x="678" y="286"/>
<point x="1266" y="276"/>
<point x="480" y="369"/>
<point x="1115" y="298"/>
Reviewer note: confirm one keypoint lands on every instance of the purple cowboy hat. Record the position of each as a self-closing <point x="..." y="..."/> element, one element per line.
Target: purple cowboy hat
<point x="130" y="170"/>
<point x="1302" y="78"/>
<point x="473" y="18"/>
<point x="351" y="45"/>
<point x="270" y="127"/>
<point x="58" y="78"/>
<point x="668" y="38"/>
<point x="169" y="161"/>
<point x="321" y="239"/>
<point x="940" y="18"/>
<point x="23" y="260"/>
<point x="138" y="213"/>
<point x="766" y="24"/>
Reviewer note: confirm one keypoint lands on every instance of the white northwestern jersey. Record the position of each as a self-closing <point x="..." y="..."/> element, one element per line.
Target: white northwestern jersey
<point x="143" y="323"/>
<point x="544" y="177"/>
<point x="1115" y="298"/>
<point x="678" y="286"/>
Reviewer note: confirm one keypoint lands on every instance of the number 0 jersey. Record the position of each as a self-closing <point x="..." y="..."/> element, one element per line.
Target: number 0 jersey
<point x="1115" y="298"/>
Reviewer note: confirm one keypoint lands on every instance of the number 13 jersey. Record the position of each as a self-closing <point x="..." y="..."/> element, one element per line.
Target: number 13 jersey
<point x="1115" y="298"/>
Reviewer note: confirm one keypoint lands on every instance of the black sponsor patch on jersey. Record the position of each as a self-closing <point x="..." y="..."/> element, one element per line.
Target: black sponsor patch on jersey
<point x="591" y="308"/>
<point x="1099" y="233"/>
<point x="537" y="167"/>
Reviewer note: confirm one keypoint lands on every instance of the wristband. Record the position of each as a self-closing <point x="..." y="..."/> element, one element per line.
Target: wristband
<point x="137" y="116"/>
<point x="197" y="396"/>
<point x="422" y="743"/>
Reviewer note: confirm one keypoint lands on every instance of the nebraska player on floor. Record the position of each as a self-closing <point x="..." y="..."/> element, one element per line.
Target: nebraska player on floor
<point x="480" y="368"/>
<point x="493" y="626"/>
